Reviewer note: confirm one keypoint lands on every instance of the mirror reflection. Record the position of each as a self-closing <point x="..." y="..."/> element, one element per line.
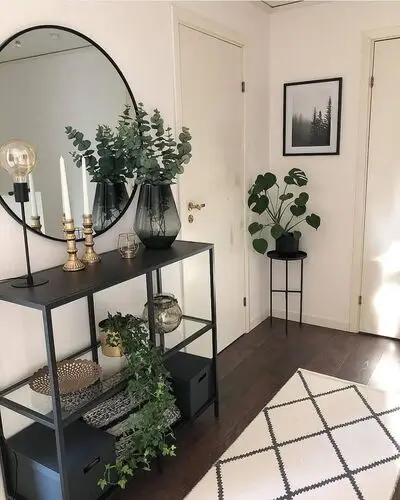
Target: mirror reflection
<point x="61" y="94"/>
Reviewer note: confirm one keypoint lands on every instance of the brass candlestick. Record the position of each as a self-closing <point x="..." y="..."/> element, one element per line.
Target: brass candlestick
<point x="90" y="256"/>
<point x="73" y="263"/>
<point x="36" y="225"/>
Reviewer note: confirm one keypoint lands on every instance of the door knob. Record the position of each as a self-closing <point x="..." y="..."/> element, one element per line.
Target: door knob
<point x="195" y="206"/>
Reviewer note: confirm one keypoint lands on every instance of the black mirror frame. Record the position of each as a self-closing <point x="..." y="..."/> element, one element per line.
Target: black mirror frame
<point x="111" y="60"/>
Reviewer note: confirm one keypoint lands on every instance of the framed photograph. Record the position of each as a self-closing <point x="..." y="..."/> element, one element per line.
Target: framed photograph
<point x="311" y="117"/>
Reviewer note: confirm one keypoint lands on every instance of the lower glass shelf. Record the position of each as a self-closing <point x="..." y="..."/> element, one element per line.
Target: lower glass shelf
<point x="38" y="407"/>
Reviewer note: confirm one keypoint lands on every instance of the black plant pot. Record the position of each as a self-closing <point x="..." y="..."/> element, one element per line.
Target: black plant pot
<point x="287" y="244"/>
<point x="157" y="221"/>
<point x="109" y="201"/>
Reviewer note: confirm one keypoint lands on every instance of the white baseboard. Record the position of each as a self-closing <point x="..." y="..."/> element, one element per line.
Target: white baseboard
<point x="311" y="320"/>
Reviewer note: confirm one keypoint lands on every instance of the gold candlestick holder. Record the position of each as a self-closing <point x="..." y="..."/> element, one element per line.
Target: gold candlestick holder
<point x="36" y="225"/>
<point x="73" y="263"/>
<point x="90" y="256"/>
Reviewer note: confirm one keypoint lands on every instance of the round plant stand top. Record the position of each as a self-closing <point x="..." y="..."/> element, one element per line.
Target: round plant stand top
<point x="293" y="256"/>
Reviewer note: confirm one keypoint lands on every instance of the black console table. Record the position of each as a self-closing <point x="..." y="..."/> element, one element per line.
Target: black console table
<point x="298" y="256"/>
<point x="63" y="288"/>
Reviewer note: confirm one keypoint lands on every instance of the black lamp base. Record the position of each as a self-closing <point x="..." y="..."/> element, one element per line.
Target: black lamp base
<point x="24" y="283"/>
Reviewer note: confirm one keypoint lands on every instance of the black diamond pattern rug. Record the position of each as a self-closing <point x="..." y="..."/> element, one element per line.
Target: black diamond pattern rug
<point x="319" y="438"/>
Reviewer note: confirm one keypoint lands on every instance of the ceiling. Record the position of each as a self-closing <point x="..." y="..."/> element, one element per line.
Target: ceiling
<point x="39" y="42"/>
<point x="274" y="4"/>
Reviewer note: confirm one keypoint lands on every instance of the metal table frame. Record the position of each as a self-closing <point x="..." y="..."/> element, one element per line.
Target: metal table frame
<point x="21" y="296"/>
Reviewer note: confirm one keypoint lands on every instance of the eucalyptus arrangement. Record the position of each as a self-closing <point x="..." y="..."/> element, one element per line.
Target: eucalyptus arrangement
<point x="159" y="160"/>
<point x="279" y="211"/>
<point x="149" y="383"/>
<point x="113" y="161"/>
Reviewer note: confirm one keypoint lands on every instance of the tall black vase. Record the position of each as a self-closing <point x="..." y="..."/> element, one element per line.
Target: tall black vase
<point x="109" y="201"/>
<point x="157" y="221"/>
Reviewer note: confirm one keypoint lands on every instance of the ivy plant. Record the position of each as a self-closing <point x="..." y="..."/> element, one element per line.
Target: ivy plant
<point x="148" y="382"/>
<point x="279" y="211"/>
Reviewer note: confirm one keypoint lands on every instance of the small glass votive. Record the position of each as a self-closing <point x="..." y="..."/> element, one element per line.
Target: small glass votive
<point x="128" y="245"/>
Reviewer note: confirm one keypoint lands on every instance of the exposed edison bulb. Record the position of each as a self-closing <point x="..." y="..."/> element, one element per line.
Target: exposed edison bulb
<point x="18" y="158"/>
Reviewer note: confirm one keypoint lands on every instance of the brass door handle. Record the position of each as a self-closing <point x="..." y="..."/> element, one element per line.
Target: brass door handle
<point x="195" y="206"/>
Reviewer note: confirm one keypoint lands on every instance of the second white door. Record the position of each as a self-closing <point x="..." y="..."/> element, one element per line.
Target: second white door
<point x="380" y="309"/>
<point x="213" y="108"/>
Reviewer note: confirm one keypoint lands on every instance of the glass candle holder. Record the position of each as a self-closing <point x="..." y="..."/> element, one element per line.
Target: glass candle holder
<point x="128" y="245"/>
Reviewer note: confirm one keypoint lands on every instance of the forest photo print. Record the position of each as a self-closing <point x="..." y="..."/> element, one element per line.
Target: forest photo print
<point x="312" y="117"/>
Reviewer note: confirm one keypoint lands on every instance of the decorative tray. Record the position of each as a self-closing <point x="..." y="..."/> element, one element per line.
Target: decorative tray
<point x="73" y="375"/>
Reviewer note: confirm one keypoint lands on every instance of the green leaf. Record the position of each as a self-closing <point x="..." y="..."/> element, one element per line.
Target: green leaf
<point x="260" y="245"/>
<point x="296" y="235"/>
<point x="297" y="210"/>
<point x="302" y="199"/>
<point x="287" y="196"/>
<point x="277" y="231"/>
<point x="298" y="176"/>
<point x="253" y="198"/>
<point x="313" y="220"/>
<point x="255" y="227"/>
<point x="261" y="205"/>
<point x="264" y="182"/>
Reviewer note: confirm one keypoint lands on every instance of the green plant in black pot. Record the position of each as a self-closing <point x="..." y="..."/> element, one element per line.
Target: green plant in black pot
<point x="280" y="211"/>
<point x="159" y="160"/>
<point x="110" y="164"/>
<point x="149" y="384"/>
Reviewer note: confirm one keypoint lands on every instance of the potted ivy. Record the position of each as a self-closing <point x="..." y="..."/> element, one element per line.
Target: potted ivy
<point x="148" y="382"/>
<point x="159" y="159"/>
<point x="280" y="211"/>
<point x="109" y="165"/>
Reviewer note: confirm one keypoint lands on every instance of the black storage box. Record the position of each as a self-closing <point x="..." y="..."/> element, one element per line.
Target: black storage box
<point x="191" y="381"/>
<point x="34" y="468"/>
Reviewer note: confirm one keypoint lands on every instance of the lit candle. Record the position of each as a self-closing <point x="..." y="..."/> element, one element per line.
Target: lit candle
<point x="32" y="196"/>
<point x="86" y="210"/>
<point x="64" y="191"/>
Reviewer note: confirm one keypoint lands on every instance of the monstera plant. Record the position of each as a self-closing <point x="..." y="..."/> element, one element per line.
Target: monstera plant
<point x="280" y="211"/>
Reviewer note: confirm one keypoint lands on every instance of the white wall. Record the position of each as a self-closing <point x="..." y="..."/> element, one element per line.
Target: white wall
<point x="139" y="36"/>
<point x="323" y="41"/>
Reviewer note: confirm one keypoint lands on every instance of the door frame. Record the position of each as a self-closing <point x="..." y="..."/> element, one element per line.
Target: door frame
<point x="184" y="17"/>
<point x="370" y="38"/>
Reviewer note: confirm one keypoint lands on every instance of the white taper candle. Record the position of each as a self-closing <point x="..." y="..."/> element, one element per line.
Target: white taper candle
<point x="86" y="210"/>
<point x="32" y="197"/>
<point x="64" y="191"/>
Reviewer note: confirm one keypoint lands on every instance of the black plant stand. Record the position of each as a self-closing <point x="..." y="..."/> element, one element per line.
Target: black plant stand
<point x="298" y="256"/>
<point x="63" y="288"/>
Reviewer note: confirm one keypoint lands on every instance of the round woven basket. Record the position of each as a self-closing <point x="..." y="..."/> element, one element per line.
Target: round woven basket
<point x="73" y="375"/>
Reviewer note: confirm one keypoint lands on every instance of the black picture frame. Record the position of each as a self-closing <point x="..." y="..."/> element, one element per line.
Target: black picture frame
<point x="313" y="134"/>
<point x="9" y="40"/>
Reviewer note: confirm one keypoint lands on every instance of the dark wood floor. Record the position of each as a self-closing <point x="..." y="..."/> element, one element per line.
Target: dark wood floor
<point x="252" y="370"/>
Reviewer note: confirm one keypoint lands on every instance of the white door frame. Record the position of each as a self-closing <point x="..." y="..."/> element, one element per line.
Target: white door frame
<point x="191" y="20"/>
<point x="368" y="46"/>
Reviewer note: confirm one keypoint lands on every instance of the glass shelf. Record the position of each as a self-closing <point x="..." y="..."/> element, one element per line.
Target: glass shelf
<point x="38" y="407"/>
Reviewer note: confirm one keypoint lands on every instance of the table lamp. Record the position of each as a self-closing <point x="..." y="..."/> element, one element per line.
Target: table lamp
<point x="18" y="158"/>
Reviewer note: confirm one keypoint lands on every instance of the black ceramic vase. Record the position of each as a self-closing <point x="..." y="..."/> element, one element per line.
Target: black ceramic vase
<point x="287" y="244"/>
<point x="157" y="222"/>
<point x="109" y="201"/>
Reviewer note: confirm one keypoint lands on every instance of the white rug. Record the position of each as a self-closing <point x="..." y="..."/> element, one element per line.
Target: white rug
<point x="318" y="438"/>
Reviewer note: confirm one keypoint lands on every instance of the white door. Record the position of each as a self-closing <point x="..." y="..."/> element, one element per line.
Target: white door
<point x="213" y="108"/>
<point x="380" y="309"/>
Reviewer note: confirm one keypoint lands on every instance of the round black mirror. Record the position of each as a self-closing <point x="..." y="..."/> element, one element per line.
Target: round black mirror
<point x="57" y="88"/>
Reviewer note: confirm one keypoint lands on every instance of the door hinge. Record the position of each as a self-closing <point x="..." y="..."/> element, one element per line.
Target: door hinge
<point x="243" y="86"/>
<point x="372" y="81"/>
<point x="359" y="300"/>
<point x="244" y="302"/>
